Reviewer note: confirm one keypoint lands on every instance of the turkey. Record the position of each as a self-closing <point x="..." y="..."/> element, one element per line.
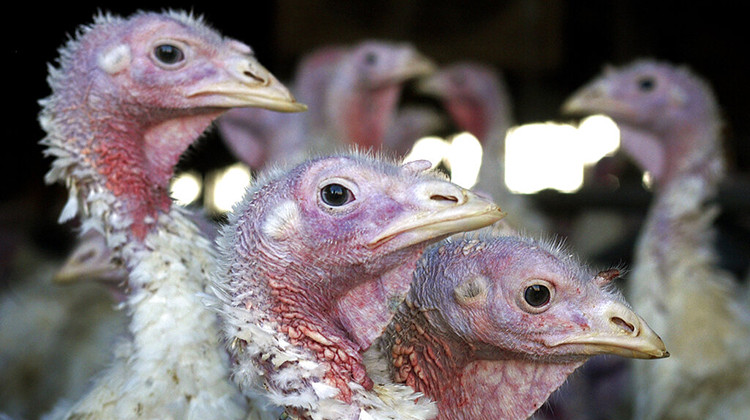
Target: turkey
<point x="90" y="259"/>
<point x="353" y="93"/>
<point x="478" y="101"/>
<point x="493" y="324"/>
<point x="362" y="98"/>
<point x="260" y="138"/>
<point x="128" y="97"/>
<point x="313" y="263"/>
<point x="42" y="325"/>
<point x="670" y="126"/>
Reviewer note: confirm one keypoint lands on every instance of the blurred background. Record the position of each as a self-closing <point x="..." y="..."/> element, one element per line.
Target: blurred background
<point x="545" y="49"/>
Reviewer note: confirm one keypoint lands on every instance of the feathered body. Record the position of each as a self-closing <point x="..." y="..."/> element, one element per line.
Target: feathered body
<point x="44" y="326"/>
<point x="305" y="285"/>
<point x="671" y="126"/>
<point x="129" y="96"/>
<point x="171" y="364"/>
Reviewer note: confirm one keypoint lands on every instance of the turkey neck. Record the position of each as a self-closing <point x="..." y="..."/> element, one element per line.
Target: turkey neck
<point x="116" y="163"/>
<point x="365" y="116"/>
<point x="467" y="381"/>
<point x="165" y="306"/>
<point x="286" y="292"/>
<point x="674" y="284"/>
<point x="679" y="220"/>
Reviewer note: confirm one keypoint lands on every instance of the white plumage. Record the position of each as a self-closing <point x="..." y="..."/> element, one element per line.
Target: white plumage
<point x="129" y="96"/>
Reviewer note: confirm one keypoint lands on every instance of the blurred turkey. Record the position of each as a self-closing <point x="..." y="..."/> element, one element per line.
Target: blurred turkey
<point x="313" y="263"/>
<point x="478" y="101"/>
<point x="493" y="324"/>
<point x="411" y="123"/>
<point x="671" y="127"/>
<point x="128" y="97"/>
<point x="353" y="94"/>
<point x="44" y="325"/>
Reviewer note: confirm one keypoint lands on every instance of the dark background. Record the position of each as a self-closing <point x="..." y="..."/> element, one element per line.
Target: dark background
<point x="546" y="49"/>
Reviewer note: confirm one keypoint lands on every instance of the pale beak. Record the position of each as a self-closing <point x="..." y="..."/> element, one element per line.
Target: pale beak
<point x="412" y="65"/>
<point x="90" y="260"/>
<point x="618" y="330"/>
<point x="444" y="209"/>
<point x="249" y="85"/>
<point x="595" y="99"/>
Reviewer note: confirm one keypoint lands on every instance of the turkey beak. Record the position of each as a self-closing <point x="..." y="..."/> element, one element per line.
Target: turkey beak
<point x="247" y="84"/>
<point x="90" y="259"/>
<point x="411" y="65"/>
<point x="441" y="209"/>
<point x="617" y="330"/>
<point x="416" y="65"/>
<point x="434" y="85"/>
<point x="595" y="98"/>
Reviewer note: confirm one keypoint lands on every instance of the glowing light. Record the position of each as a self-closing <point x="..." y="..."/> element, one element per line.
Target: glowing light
<point x="546" y="155"/>
<point x="599" y="137"/>
<point x="227" y="186"/>
<point x="185" y="188"/>
<point x="428" y="148"/>
<point x="647" y="180"/>
<point x="539" y="156"/>
<point x="461" y="153"/>
<point x="464" y="159"/>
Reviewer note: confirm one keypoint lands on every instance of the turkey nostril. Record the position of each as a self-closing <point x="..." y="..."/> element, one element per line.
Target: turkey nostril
<point x="254" y="77"/>
<point x="88" y="255"/>
<point x="438" y="197"/>
<point x="623" y="324"/>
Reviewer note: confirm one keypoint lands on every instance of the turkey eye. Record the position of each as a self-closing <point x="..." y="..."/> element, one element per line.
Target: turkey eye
<point x="536" y="295"/>
<point x="168" y="54"/>
<point x="371" y="58"/>
<point x="336" y="195"/>
<point x="646" y="84"/>
<point x="458" y="79"/>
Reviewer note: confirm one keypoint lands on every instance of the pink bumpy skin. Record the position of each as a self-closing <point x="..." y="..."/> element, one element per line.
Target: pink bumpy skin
<point x="322" y="255"/>
<point x="493" y="325"/>
<point x="130" y="95"/>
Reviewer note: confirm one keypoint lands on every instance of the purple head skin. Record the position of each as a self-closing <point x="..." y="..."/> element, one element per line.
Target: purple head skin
<point x="130" y="95"/>
<point x="493" y="325"/>
<point x="669" y="118"/>
<point x="322" y="254"/>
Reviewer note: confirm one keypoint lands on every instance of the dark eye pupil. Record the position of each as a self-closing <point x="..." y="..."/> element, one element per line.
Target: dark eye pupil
<point x="371" y="58"/>
<point x="536" y="295"/>
<point x="646" y="84"/>
<point x="168" y="54"/>
<point x="335" y="195"/>
<point x="458" y="79"/>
